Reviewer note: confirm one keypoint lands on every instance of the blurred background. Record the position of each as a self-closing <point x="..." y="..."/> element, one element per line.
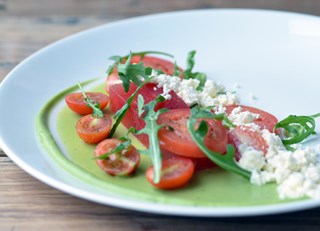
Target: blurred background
<point x="28" y="25"/>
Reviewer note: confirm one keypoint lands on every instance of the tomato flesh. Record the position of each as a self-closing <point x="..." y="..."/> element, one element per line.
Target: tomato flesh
<point x="120" y="164"/>
<point x="92" y="130"/>
<point x="76" y="102"/>
<point x="178" y="140"/>
<point x="149" y="93"/>
<point x="246" y="135"/>
<point x="176" y="172"/>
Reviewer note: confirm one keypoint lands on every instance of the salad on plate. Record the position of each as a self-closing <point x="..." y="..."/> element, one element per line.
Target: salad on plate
<point x="188" y="123"/>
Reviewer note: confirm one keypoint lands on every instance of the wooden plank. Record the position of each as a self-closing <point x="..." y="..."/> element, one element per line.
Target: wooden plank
<point x="2" y="154"/>
<point x="22" y="37"/>
<point x="27" y="204"/>
<point x="129" y="8"/>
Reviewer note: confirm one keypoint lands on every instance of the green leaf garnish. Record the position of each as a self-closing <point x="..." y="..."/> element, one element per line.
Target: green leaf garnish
<point x="225" y="161"/>
<point x="189" y="74"/>
<point x="151" y="129"/>
<point x="131" y="72"/>
<point x="297" y="128"/>
<point x="120" y="59"/>
<point x="96" y="110"/>
<point x="122" y="111"/>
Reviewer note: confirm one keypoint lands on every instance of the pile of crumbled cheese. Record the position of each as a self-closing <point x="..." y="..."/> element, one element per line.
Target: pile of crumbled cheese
<point x="297" y="173"/>
<point x="212" y="95"/>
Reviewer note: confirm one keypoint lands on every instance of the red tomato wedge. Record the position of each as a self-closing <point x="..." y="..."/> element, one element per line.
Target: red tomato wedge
<point x="92" y="130"/>
<point x="265" y="120"/>
<point x="179" y="140"/>
<point x="76" y="103"/>
<point x="249" y="136"/>
<point x="163" y="65"/>
<point x="117" y="164"/>
<point x="149" y="92"/>
<point x="175" y="173"/>
<point x="246" y="135"/>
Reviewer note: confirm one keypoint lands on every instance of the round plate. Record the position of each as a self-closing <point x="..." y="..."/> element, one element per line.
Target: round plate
<point x="272" y="56"/>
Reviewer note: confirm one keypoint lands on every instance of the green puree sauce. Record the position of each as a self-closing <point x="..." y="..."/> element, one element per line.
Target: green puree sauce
<point x="212" y="187"/>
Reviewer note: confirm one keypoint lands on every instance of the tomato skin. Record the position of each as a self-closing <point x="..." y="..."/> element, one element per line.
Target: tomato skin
<point x="176" y="172"/>
<point x="76" y="103"/>
<point x="117" y="166"/>
<point x="180" y="142"/>
<point x="265" y="120"/>
<point x="92" y="130"/>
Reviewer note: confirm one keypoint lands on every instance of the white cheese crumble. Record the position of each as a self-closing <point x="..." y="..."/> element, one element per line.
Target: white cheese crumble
<point x="212" y="95"/>
<point x="240" y="117"/>
<point x="297" y="173"/>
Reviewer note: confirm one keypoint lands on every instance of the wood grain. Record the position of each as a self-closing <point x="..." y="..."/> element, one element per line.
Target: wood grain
<point x="28" y="204"/>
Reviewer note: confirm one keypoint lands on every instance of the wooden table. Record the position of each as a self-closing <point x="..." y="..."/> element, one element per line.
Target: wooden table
<point x="28" y="204"/>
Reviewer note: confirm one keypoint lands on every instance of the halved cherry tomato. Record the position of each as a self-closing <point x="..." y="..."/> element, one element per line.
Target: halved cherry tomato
<point x="118" y="164"/>
<point x="179" y="141"/>
<point x="248" y="136"/>
<point x="76" y="103"/>
<point x="175" y="173"/>
<point x="92" y="129"/>
<point x="265" y="120"/>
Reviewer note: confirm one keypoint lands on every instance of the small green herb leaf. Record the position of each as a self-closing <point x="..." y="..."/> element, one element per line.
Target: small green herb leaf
<point x="226" y="161"/>
<point x="96" y="110"/>
<point x="189" y="74"/>
<point x="297" y="128"/>
<point x="151" y="129"/>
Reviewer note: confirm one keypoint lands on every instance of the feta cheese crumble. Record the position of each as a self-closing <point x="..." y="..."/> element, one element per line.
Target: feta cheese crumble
<point x="297" y="173"/>
<point x="212" y="95"/>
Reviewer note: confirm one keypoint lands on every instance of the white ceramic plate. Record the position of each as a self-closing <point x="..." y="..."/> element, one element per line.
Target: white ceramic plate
<point x="272" y="55"/>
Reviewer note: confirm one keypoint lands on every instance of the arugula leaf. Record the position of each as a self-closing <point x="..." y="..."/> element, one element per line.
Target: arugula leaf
<point x="120" y="59"/>
<point x="297" y="128"/>
<point x="151" y="129"/>
<point x="226" y="161"/>
<point x="96" y="110"/>
<point x="122" y="111"/>
<point x="189" y="74"/>
<point x="131" y="72"/>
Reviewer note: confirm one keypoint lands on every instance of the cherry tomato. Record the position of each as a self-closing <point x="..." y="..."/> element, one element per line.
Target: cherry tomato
<point x="92" y="130"/>
<point x="265" y="120"/>
<point x="76" y="103"/>
<point x="118" y="164"/>
<point x="178" y="140"/>
<point x="175" y="173"/>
